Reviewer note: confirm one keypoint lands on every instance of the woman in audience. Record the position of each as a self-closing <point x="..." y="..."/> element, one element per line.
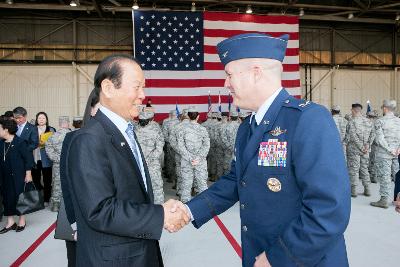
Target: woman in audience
<point x="15" y="170"/>
<point x="42" y="161"/>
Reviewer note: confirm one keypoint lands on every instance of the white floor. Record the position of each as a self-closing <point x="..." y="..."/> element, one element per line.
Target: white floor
<point x="373" y="239"/>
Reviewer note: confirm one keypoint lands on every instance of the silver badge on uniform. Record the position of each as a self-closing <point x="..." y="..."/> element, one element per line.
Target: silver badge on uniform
<point x="274" y="184"/>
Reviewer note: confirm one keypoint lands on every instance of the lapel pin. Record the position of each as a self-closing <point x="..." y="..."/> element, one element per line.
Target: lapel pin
<point x="266" y="122"/>
<point x="122" y="143"/>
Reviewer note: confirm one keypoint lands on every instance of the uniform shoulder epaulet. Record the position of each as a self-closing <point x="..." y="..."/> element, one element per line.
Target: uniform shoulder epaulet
<point x="300" y="104"/>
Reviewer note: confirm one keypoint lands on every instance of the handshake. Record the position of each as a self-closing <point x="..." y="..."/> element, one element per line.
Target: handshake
<point x="176" y="215"/>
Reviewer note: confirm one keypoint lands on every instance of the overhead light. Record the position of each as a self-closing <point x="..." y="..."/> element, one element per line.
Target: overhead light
<point x="10" y="2"/>
<point x="249" y="10"/>
<point x="350" y="16"/>
<point x="135" y="5"/>
<point x="193" y="8"/>
<point x="397" y="17"/>
<point x="301" y="12"/>
<point x="73" y="3"/>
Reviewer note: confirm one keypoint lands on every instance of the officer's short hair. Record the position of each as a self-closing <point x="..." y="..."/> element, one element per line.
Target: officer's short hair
<point x="357" y="105"/>
<point x="20" y="111"/>
<point x="390" y="104"/>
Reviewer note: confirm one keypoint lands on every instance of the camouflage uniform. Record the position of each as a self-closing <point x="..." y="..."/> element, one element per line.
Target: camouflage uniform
<point x="169" y="157"/>
<point x="359" y="137"/>
<point x="387" y="139"/>
<point x="207" y="124"/>
<point x="152" y="142"/>
<point x="213" y="147"/>
<point x="228" y="139"/>
<point x="193" y="144"/>
<point x="53" y="150"/>
<point x="173" y="140"/>
<point x="341" y="124"/>
<point x="372" y="116"/>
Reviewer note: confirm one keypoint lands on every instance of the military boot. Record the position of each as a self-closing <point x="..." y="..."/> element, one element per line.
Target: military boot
<point x="382" y="203"/>
<point x="353" y="191"/>
<point x="367" y="192"/>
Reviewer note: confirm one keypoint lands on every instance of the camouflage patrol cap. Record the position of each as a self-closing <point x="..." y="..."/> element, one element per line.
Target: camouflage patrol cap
<point x="145" y="115"/>
<point x="372" y="113"/>
<point x="390" y="104"/>
<point x="336" y="108"/>
<point x="215" y="115"/>
<point x="185" y="112"/>
<point x="209" y="115"/>
<point x="242" y="114"/>
<point x="192" y="109"/>
<point x="219" y="115"/>
<point x="234" y="113"/>
<point x="172" y="112"/>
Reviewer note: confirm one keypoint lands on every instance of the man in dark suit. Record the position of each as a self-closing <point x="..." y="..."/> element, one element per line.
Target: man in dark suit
<point x="117" y="222"/>
<point x="26" y="131"/>
<point x="288" y="172"/>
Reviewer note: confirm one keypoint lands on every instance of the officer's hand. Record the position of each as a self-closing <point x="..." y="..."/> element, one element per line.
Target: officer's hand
<point x="195" y="162"/>
<point x="397" y="203"/>
<point x="262" y="261"/>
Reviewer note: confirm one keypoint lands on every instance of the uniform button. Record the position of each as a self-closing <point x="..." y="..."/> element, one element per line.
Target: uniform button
<point x="242" y="206"/>
<point x="287" y="101"/>
<point x="243" y="183"/>
<point x="244" y="228"/>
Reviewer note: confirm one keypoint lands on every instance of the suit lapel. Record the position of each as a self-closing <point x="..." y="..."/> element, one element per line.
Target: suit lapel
<point x="121" y="145"/>
<point x="251" y="148"/>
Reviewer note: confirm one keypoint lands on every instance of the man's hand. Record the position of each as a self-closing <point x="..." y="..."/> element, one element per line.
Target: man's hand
<point x="175" y="215"/>
<point x="28" y="177"/>
<point x="262" y="261"/>
<point x="397" y="203"/>
<point x="195" y="162"/>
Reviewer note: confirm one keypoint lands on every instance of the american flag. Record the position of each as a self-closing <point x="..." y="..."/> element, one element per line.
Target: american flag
<point x="177" y="51"/>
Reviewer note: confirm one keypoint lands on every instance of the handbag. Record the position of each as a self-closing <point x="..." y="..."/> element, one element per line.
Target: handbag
<point x="64" y="230"/>
<point x="30" y="201"/>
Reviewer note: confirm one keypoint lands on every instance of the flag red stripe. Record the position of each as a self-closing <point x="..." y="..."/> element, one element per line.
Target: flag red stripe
<point x="179" y="83"/>
<point x="219" y="66"/>
<point x="221" y="16"/>
<point x="210" y="49"/>
<point x="230" y="33"/>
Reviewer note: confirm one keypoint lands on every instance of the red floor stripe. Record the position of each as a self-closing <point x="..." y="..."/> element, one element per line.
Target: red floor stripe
<point x="229" y="236"/>
<point x="34" y="246"/>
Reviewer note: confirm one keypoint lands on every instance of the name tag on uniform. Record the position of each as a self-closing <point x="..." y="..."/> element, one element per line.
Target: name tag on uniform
<point x="272" y="153"/>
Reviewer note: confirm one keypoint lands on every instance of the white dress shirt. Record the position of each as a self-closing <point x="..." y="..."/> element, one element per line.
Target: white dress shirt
<point x="263" y="109"/>
<point x="20" y="128"/>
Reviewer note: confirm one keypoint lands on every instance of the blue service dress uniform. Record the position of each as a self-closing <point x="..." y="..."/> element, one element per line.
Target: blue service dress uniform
<point x="295" y="207"/>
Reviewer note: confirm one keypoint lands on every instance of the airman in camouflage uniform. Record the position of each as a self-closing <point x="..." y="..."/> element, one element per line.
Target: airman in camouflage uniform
<point x="169" y="158"/>
<point x="387" y="129"/>
<point x="53" y="150"/>
<point x="359" y="137"/>
<point x="213" y="147"/>
<point x="152" y="142"/>
<point x="173" y="140"/>
<point x="229" y="137"/>
<point x="372" y="116"/>
<point x="193" y="146"/>
<point x="242" y="116"/>
<point x="341" y="124"/>
<point x="207" y="124"/>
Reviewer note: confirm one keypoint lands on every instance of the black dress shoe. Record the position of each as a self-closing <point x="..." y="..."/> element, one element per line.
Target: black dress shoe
<point x="20" y="228"/>
<point x="5" y="229"/>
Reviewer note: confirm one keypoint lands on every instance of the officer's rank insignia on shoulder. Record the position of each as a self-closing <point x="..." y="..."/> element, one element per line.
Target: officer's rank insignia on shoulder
<point x="302" y="105"/>
<point x="277" y="131"/>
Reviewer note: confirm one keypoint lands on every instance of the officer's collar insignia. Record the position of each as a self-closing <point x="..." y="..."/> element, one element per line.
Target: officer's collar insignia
<point x="122" y="143"/>
<point x="277" y="131"/>
<point x="305" y="104"/>
<point x="225" y="54"/>
<point x="274" y="185"/>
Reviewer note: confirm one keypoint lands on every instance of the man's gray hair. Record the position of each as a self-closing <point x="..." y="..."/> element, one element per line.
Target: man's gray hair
<point x="62" y="120"/>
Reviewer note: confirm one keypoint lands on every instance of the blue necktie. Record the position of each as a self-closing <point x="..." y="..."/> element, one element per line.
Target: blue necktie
<point x="135" y="150"/>
<point x="253" y="125"/>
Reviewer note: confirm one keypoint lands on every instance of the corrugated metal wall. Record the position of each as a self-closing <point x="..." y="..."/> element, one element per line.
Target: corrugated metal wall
<point x="63" y="89"/>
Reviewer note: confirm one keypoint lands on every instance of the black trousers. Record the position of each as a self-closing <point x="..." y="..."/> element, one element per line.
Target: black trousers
<point x="71" y="253"/>
<point x="47" y="177"/>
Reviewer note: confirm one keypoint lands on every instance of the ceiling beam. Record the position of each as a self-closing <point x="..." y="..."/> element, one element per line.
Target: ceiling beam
<point x="98" y="8"/>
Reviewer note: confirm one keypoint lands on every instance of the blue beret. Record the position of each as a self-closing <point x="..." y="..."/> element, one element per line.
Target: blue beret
<point x="252" y="45"/>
